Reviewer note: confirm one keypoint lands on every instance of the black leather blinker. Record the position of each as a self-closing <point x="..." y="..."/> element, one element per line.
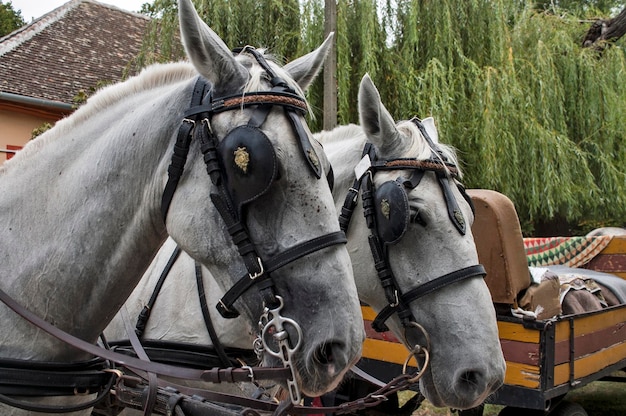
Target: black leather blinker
<point x="392" y="211"/>
<point x="249" y="164"/>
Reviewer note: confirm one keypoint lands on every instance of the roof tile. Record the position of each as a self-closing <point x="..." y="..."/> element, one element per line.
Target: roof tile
<point x="69" y="49"/>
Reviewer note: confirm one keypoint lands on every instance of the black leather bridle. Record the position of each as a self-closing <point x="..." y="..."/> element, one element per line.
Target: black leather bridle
<point x="230" y="198"/>
<point x="387" y="229"/>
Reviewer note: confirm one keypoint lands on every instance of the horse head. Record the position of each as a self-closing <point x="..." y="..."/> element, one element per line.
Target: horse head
<point x="420" y="269"/>
<point x="290" y="272"/>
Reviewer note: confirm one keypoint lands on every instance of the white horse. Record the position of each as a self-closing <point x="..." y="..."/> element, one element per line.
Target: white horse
<point x="466" y="359"/>
<point x="81" y="208"/>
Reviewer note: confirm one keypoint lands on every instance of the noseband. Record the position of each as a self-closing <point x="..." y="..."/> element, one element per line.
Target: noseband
<point x="386" y="210"/>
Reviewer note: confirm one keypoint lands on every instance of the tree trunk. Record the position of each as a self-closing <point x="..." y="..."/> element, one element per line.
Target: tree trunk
<point x="608" y="30"/>
<point x="330" y="67"/>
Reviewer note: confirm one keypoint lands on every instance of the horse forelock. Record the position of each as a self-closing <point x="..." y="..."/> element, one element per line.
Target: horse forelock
<point x="419" y="145"/>
<point x="259" y="78"/>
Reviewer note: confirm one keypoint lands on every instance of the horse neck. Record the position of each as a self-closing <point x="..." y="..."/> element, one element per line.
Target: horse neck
<point x="344" y="147"/>
<point x="81" y="220"/>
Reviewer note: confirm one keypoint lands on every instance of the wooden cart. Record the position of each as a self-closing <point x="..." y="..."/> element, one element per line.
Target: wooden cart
<point x="546" y="357"/>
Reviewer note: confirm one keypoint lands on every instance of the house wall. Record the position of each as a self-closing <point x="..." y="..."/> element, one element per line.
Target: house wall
<point x="17" y="125"/>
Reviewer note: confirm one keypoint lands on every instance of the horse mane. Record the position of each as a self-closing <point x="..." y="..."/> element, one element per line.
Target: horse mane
<point x="151" y="77"/>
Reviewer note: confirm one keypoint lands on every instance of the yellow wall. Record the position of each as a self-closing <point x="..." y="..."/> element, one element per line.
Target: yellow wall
<point x="17" y="125"/>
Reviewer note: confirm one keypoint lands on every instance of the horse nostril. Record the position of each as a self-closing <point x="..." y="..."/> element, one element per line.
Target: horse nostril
<point x="471" y="382"/>
<point x="470" y="378"/>
<point x="324" y="354"/>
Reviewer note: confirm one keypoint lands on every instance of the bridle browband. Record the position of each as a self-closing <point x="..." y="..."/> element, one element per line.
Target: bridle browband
<point x="383" y="235"/>
<point x="196" y="126"/>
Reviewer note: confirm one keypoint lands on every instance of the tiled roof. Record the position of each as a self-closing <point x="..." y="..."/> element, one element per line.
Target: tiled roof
<point x="69" y="49"/>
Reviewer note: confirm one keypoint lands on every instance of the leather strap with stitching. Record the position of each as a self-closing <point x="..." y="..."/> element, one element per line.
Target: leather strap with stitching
<point x="214" y="375"/>
<point x="468" y="272"/>
<point x="291" y="254"/>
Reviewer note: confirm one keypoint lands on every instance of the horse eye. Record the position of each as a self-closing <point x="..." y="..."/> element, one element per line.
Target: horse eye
<point x="415" y="217"/>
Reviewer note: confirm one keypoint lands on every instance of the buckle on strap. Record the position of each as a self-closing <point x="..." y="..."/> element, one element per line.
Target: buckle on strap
<point x="225" y="305"/>
<point x="472" y="271"/>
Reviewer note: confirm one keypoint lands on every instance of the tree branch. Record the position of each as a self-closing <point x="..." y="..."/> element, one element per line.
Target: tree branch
<point x="609" y="30"/>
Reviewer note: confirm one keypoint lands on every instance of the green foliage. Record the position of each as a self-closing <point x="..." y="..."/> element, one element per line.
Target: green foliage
<point x="532" y="113"/>
<point x="38" y="131"/>
<point x="10" y="19"/>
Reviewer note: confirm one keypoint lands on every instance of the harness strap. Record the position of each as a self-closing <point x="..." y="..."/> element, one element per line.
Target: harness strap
<point x="454" y="212"/>
<point x="150" y="392"/>
<point x="288" y="100"/>
<point x="31" y="382"/>
<point x="144" y="315"/>
<point x="225" y="305"/>
<point x="208" y="322"/>
<point x="184" y="354"/>
<point x="305" y="144"/>
<point x="181" y="150"/>
<point x="214" y="375"/>
<point x="468" y="272"/>
<point x="347" y="209"/>
<point x="402" y="382"/>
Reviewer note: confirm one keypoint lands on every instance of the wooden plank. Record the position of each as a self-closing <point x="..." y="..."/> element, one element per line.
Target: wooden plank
<point x="595" y="362"/>
<point x="516" y="332"/>
<point x="590" y="364"/>
<point x="561" y="374"/>
<point x="521" y="352"/>
<point x="605" y="319"/>
<point x="608" y="263"/>
<point x="598" y="340"/>
<point x="368" y="313"/>
<point x="386" y="351"/>
<point x="522" y="375"/>
<point x="586" y="344"/>
<point x="561" y="331"/>
<point x="617" y="245"/>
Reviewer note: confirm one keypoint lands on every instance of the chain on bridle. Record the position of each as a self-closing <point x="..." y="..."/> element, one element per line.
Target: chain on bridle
<point x="387" y="213"/>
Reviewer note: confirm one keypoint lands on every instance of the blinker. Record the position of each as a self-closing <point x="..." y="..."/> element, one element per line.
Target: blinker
<point x="249" y="162"/>
<point x="392" y="211"/>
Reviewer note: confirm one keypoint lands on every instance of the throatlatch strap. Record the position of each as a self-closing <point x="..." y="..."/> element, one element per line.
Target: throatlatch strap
<point x="468" y="272"/>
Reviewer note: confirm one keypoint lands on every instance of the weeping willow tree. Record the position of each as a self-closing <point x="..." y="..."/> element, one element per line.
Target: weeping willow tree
<point x="532" y="113"/>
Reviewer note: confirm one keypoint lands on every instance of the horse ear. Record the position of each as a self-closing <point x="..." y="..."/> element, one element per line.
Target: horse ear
<point x="377" y="123"/>
<point x="206" y="50"/>
<point x="304" y="69"/>
<point x="431" y="129"/>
